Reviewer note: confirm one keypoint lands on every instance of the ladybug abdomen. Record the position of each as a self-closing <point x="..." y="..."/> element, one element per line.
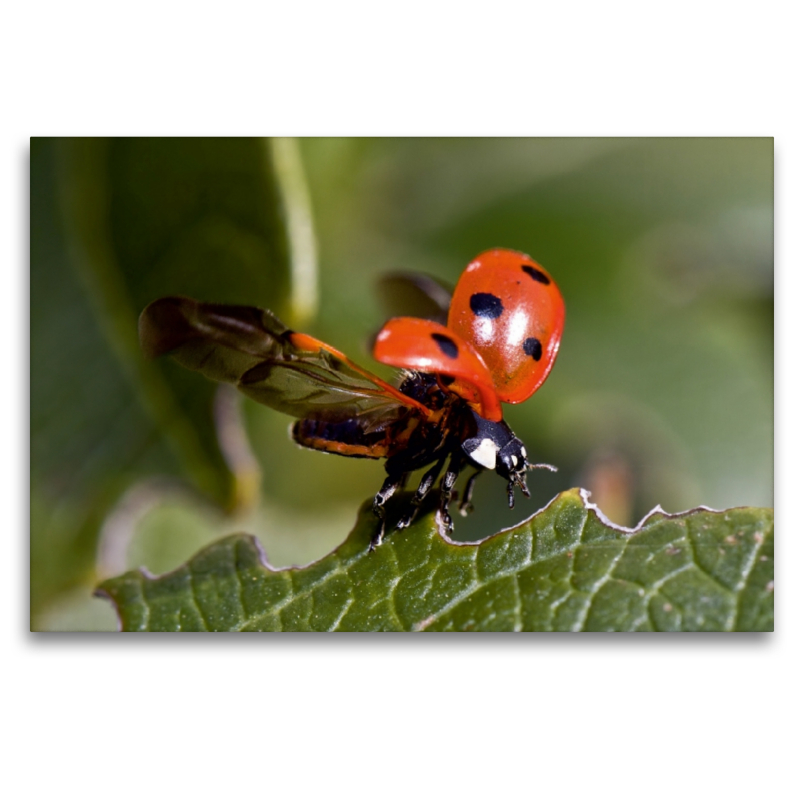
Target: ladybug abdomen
<point x="510" y="310"/>
<point x="345" y="438"/>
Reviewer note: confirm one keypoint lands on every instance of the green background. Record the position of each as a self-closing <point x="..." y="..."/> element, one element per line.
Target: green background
<point x="662" y="392"/>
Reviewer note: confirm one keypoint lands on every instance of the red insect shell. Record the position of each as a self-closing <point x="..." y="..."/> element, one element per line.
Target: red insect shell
<point x="427" y="346"/>
<point x="510" y="310"/>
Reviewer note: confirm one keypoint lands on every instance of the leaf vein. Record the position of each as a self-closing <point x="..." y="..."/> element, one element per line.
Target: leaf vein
<point x="345" y="608"/>
<point x="702" y="569"/>
<point x="470" y="590"/>
<point x="591" y="594"/>
<point x="736" y="612"/>
<point x="518" y="603"/>
<point x="195" y="601"/>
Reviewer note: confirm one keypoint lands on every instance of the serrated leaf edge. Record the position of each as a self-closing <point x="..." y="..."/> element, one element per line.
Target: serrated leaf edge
<point x="584" y="495"/>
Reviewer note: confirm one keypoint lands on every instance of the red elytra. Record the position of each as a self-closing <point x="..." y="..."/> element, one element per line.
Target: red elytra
<point x="504" y="327"/>
<point x="427" y="346"/>
<point x="510" y="310"/>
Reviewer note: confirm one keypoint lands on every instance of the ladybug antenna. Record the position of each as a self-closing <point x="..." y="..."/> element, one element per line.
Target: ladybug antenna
<point x="543" y="466"/>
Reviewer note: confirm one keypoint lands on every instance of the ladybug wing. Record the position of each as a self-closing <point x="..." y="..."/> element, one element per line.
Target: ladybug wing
<point x="427" y="346"/>
<point x="414" y="294"/>
<point x="511" y="311"/>
<point x="251" y="348"/>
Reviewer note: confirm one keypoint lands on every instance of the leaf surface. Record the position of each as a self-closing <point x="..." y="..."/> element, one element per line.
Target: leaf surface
<point x="564" y="569"/>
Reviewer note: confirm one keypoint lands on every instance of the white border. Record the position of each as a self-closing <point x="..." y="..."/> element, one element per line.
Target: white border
<point x="629" y="716"/>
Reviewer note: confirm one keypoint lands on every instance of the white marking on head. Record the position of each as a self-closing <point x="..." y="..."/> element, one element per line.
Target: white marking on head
<point x="522" y="452"/>
<point x="485" y="454"/>
<point x="514" y="460"/>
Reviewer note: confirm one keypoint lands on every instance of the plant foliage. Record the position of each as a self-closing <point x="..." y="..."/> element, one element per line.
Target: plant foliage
<point x="564" y="569"/>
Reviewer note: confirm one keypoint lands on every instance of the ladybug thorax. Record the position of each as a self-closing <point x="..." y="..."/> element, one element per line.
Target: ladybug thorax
<point x="493" y="446"/>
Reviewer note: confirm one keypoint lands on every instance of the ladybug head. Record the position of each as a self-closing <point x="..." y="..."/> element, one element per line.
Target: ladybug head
<point x="512" y="464"/>
<point x="494" y="446"/>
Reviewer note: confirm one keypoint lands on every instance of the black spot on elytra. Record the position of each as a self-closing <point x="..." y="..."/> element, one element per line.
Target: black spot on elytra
<point x="536" y="274"/>
<point x="486" y="305"/>
<point x="446" y="344"/>
<point x="532" y="347"/>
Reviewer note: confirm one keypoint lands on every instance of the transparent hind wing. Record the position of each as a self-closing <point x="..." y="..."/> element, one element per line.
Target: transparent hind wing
<point x="252" y="349"/>
<point x="415" y="294"/>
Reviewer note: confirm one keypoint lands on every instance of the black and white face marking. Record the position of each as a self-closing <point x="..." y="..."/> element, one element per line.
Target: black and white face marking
<point x="482" y="451"/>
<point x="513" y="459"/>
<point x="489" y="439"/>
<point x="494" y="446"/>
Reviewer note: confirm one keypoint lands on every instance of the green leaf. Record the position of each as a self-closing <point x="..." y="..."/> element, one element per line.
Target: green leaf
<point x="116" y="223"/>
<point x="563" y="569"/>
<point x="156" y="216"/>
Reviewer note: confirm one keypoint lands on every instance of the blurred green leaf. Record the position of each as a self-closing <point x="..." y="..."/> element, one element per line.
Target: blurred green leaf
<point x="563" y="569"/>
<point x="174" y="216"/>
<point x="116" y="223"/>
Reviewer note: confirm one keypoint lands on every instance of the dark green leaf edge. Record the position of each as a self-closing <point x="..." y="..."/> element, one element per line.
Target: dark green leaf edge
<point x="84" y="199"/>
<point x="565" y="568"/>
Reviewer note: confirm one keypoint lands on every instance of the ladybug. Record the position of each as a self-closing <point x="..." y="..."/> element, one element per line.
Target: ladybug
<point x="494" y="342"/>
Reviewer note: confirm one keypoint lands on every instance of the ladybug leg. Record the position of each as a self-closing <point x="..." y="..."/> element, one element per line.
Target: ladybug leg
<point x="428" y="479"/>
<point x="465" y="506"/>
<point x="453" y="470"/>
<point x="390" y="486"/>
<point x="517" y="480"/>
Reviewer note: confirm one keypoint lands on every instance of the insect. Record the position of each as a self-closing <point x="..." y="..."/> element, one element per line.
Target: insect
<point x="501" y="337"/>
